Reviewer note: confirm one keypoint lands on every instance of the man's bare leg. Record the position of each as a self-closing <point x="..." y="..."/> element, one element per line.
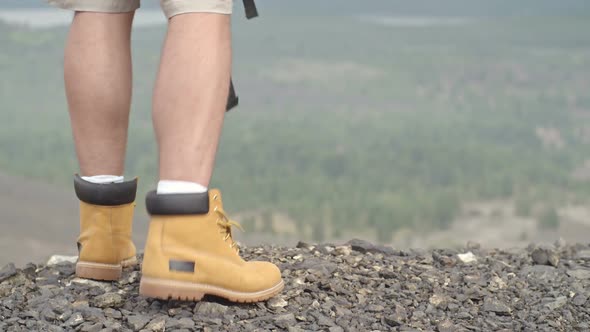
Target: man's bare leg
<point x="98" y="88"/>
<point x="190" y="251"/>
<point x="191" y="94"/>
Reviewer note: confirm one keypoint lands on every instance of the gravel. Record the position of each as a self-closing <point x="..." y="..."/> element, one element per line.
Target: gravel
<point x="357" y="286"/>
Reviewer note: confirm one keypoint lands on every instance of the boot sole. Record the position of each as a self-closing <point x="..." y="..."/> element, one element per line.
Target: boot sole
<point x="181" y="290"/>
<point x="100" y="271"/>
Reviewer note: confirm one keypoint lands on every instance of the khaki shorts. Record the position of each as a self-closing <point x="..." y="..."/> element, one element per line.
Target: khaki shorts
<point x="170" y="7"/>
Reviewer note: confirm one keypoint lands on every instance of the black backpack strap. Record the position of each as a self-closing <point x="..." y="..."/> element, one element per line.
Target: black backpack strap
<point x="232" y="98"/>
<point x="250" y="7"/>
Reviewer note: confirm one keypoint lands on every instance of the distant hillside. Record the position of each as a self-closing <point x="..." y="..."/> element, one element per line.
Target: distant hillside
<point x="353" y="126"/>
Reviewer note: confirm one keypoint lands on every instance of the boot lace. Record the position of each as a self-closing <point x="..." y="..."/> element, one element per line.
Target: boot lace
<point x="226" y="225"/>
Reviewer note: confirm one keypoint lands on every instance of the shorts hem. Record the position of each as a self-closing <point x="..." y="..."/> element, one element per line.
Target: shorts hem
<point x="172" y="8"/>
<point x="99" y="6"/>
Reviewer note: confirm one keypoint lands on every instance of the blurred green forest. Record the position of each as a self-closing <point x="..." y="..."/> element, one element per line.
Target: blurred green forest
<point x="352" y="123"/>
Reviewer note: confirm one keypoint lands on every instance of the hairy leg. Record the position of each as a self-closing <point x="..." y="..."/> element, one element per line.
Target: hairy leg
<point x="97" y="72"/>
<point x="191" y="94"/>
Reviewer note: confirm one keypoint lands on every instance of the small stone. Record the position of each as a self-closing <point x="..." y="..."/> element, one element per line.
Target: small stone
<point x="64" y="269"/>
<point x="108" y="300"/>
<point x="439" y="301"/>
<point x="210" y="309"/>
<point x="112" y="313"/>
<point x="75" y="320"/>
<point x="65" y="315"/>
<point x="59" y="305"/>
<point x="91" y="283"/>
<point x="304" y="245"/>
<point x="335" y="329"/>
<point x="558" y="303"/>
<point x="360" y="245"/>
<point x="343" y="251"/>
<point x="57" y="259"/>
<point x="137" y="322"/>
<point x="214" y="321"/>
<point x="446" y="326"/>
<point x="539" y="257"/>
<point x="7" y="271"/>
<point x="186" y="323"/>
<point x="497" y="283"/>
<point x="277" y="302"/>
<point x="544" y="256"/>
<point x="418" y="315"/>
<point x="375" y="308"/>
<point x="467" y="257"/>
<point x="579" y="273"/>
<point x="540" y="272"/>
<point x="497" y="306"/>
<point x="322" y="320"/>
<point x="90" y="327"/>
<point x="131" y="278"/>
<point x="157" y="324"/>
<point x="295" y="329"/>
<point x="579" y="300"/>
<point x="285" y="320"/>
<point x="364" y="247"/>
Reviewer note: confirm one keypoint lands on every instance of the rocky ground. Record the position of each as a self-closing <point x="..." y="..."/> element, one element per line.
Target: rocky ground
<point x="353" y="287"/>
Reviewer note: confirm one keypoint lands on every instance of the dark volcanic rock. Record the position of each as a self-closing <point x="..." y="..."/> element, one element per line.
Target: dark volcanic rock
<point x="7" y="271"/>
<point x="137" y="322"/>
<point x="363" y="246"/>
<point x="545" y="256"/>
<point x="353" y="287"/>
<point x="108" y="300"/>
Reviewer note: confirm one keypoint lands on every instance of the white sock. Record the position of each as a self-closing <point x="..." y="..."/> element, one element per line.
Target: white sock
<point x="179" y="187"/>
<point x="101" y="179"/>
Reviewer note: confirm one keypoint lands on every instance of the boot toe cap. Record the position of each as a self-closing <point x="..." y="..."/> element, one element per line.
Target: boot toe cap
<point x="268" y="274"/>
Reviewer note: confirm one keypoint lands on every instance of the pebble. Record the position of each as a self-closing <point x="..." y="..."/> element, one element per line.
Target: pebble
<point x="446" y="326"/>
<point x="557" y="303"/>
<point x="7" y="271"/>
<point x="285" y="320"/>
<point x="580" y="300"/>
<point x="363" y="246"/>
<point x="544" y="256"/>
<point x="137" y="322"/>
<point x="467" y="257"/>
<point x="75" y="320"/>
<point x="108" y="300"/>
<point x="157" y="324"/>
<point x="439" y="301"/>
<point x="277" y="302"/>
<point x="58" y="259"/>
<point x="210" y="309"/>
<point x="496" y="306"/>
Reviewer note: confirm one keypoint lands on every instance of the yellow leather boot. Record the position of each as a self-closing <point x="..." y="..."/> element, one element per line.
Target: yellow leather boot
<point x="106" y="216"/>
<point x="190" y="252"/>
